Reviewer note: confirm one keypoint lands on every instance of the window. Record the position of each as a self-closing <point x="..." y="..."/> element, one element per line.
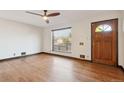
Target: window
<point x="103" y="28"/>
<point x="62" y="40"/>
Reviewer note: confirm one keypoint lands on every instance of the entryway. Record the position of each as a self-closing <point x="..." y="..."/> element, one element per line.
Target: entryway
<point x="105" y="42"/>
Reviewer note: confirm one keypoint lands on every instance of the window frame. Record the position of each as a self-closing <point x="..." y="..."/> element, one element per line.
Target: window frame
<point x="53" y="39"/>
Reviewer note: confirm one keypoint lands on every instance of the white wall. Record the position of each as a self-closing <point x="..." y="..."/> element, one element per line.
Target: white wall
<point x="81" y="32"/>
<point x="121" y="48"/>
<point x="77" y="37"/>
<point x="17" y="37"/>
<point x="121" y="41"/>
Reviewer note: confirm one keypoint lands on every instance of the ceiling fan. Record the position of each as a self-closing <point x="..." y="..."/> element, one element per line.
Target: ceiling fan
<point x="45" y="15"/>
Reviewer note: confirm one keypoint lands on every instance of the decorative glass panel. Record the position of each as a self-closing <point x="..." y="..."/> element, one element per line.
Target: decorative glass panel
<point x="103" y="28"/>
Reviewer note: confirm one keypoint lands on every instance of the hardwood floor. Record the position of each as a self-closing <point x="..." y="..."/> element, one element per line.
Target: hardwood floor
<point x="44" y="67"/>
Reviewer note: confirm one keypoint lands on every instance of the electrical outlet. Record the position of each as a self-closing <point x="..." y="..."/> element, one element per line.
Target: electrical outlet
<point x="81" y="43"/>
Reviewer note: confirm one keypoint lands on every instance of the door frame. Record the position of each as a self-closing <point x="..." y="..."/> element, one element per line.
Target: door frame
<point x="116" y="40"/>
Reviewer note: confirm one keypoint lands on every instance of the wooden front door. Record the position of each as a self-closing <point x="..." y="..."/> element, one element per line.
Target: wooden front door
<point x="104" y="42"/>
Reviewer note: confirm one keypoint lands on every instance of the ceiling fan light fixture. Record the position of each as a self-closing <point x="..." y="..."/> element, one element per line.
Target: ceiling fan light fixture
<point x="45" y="17"/>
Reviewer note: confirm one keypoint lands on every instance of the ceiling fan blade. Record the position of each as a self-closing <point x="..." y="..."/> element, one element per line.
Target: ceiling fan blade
<point x="53" y="14"/>
<point x="34" y="13"/>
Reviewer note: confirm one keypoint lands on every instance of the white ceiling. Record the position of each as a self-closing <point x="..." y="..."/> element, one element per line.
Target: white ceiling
<point x="67" y="16"/>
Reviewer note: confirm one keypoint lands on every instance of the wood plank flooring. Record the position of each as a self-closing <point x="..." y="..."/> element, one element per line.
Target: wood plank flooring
<point x="44" y="67"/>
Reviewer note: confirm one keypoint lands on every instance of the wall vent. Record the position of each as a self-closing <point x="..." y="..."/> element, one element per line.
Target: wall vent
<point x="82" y="56"/>
<point x="23" y="53"/>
